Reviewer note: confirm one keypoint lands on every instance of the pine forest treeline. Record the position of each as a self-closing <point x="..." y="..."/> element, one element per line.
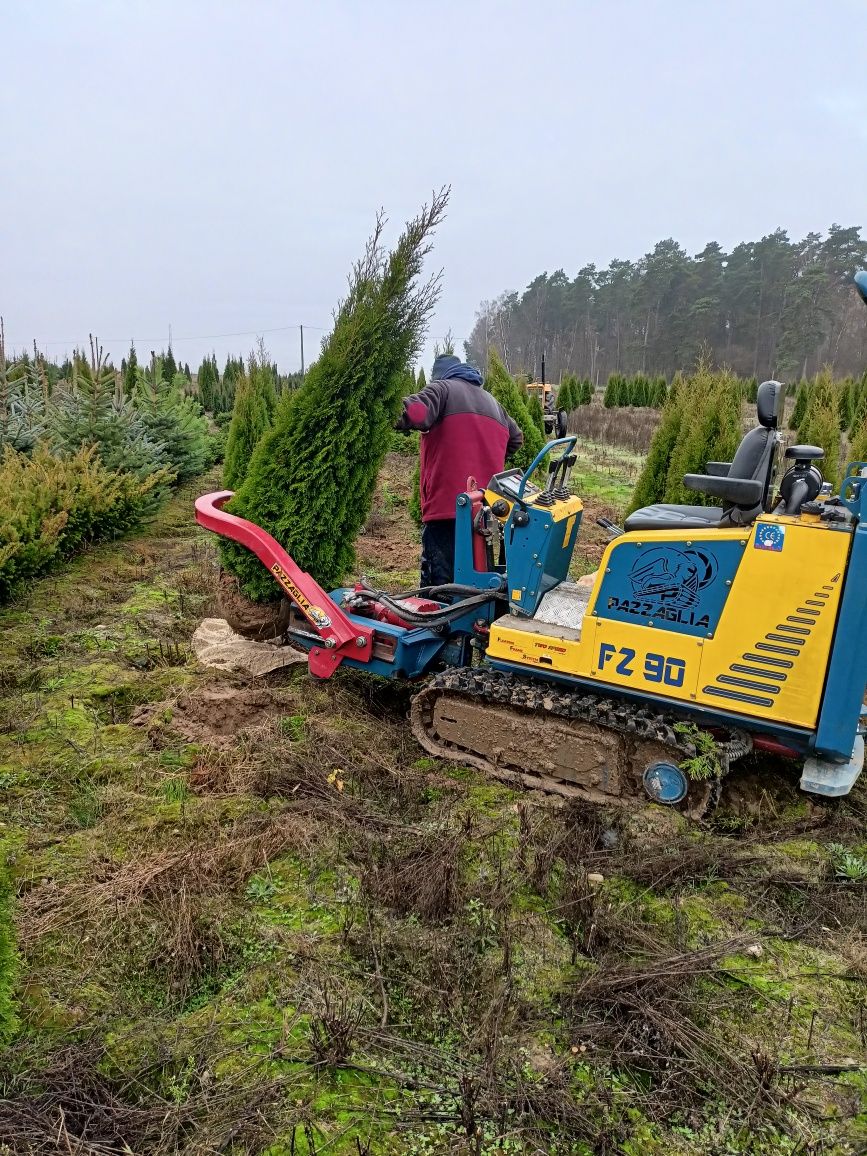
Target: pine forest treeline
<point x="770" y="308"/>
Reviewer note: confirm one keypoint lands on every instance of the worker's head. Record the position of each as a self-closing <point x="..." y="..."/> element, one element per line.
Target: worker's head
<point x="443" y="365"/>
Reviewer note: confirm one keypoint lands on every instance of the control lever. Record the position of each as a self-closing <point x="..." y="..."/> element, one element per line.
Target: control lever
<point x="614" y="531"/>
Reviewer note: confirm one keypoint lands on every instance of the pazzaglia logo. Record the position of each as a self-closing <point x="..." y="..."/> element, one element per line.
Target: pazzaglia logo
<point x="667" y="584"/>
<point x="674" y="577"/>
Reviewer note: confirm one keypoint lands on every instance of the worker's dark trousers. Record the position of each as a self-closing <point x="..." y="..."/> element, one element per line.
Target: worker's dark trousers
<point x="438" y="552"/>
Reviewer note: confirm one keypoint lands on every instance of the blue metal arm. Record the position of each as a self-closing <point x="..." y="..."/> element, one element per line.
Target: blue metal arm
<point x="541" y="455"/>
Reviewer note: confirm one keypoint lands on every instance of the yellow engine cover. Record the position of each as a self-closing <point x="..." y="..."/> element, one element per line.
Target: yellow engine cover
<point x="735" y="620"/>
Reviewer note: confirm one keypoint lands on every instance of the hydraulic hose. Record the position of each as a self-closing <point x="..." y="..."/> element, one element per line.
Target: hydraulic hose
<point x="440" y="617"/>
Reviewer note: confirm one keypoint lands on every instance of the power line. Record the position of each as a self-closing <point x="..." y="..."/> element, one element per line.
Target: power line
<point x="174" y="340"/>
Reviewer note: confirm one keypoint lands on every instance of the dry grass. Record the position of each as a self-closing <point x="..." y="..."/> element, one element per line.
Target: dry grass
<point x="418" y="874"/>
<point x="630" y="428"/>
<point x="70" y="1108"/>
<point x="170" y="893"/>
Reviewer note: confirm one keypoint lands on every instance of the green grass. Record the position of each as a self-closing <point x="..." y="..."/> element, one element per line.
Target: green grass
<point x="315" y="940"/>
<point x="605" y="473"/>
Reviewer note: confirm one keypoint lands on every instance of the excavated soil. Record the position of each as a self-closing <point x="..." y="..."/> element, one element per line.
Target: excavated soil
<point x="388" y="546"/>
<point x="213" y="715"/>
<point x="258" y="621"/>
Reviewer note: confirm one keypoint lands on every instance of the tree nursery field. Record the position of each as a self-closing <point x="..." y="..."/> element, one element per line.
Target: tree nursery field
<point x="252" y="916"/>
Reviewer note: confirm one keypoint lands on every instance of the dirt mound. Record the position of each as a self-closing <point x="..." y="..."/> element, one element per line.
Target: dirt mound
<point x="255" y="620"/>
<point x="212" y="714"/>
<point x="216" y="644"/>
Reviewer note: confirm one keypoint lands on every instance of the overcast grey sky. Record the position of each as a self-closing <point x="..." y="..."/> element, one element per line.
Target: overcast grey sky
<point x="217" y="166"/>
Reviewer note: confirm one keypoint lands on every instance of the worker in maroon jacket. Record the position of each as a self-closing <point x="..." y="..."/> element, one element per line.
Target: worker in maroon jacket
<point x="464" y="433"/>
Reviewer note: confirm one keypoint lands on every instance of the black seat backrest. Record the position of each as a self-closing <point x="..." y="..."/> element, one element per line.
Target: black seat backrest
<point x="756" y="455"/>
<point x="742" y="485"/>
<point x="746" y="483"/>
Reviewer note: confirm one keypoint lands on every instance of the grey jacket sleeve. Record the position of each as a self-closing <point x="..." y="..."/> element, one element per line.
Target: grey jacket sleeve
<point x="423" y="410"/>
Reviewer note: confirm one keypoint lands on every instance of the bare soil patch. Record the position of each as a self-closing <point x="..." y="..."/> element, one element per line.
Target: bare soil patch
<point x="214" y="715"/>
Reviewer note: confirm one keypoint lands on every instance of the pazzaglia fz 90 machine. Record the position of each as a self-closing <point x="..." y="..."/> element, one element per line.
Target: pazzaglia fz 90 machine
<point x="745" y="621"/>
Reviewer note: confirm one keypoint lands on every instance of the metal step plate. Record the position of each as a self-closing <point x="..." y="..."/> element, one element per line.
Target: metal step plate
<point x="565" y="605"/>
<point x="825" y="778"/>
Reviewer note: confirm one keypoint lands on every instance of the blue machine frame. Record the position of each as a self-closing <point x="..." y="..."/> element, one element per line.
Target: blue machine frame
<point x="846" y="678"/>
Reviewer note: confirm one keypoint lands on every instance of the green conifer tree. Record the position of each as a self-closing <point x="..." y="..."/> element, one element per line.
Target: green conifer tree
<point x="651" y="483"/>
<point x="91" y="410"/>
<point x="173" y="420"/>
<point x="802" y="400"/>
<point x="711" y="431"/>
<point x="844" y="402"/>
<point x="821" y="425"/>
<point x="420" y="381"/>
<point x="311" y="480"/>
<point x="501" y="386"/>
<point x="587" y="391"/>
<point x="610" y="392"/>
<point x="205" y="385"/>
<point x="858" y="446"/>
<point x="252" y="416"/>
<point x="23" y="401"/>
<point x="129" y="374"/>
<point x="534" y="408"/>
<point x="859" y="404"/>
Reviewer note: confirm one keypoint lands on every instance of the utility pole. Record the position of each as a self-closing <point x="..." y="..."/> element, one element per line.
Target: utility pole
<point x="301" y="327"/>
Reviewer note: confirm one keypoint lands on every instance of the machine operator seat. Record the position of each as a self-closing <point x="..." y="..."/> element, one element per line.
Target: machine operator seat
<point x="743" y="484"/>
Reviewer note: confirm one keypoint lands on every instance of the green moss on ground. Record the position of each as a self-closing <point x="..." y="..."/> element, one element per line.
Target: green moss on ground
<point x="312" y="939"/>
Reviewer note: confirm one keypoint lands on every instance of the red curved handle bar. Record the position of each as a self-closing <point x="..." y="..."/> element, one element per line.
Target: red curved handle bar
<point x="338" y="631"/>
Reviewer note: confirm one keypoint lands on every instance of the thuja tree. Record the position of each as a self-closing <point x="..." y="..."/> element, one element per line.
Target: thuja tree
<point x="701" y="422"/>
<point x="845" y="402"/>
<point x="534" y="408"/>
<point x="569" y="393"/>
<point x="252" y="414"/>
<point x="799" y="411"/>
<point x="650" y="486"/>
<point x="208" y="384"/>
<point x="711" y="431"/>
<point x="500" y="384"/>
<point x="859" y="406"/>
<point x="858" y="446"/>
<point x="821" y="425"/>
<point x="311" y="480"/>
<point x="130" y="371"/>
